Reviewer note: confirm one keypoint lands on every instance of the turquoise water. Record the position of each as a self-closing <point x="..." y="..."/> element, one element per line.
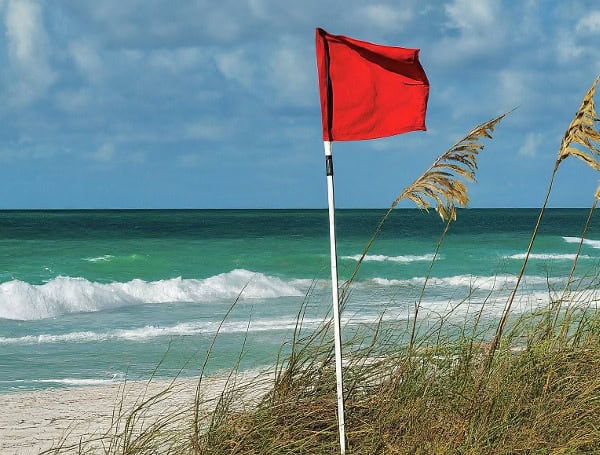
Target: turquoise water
<point x="89" y="297"/>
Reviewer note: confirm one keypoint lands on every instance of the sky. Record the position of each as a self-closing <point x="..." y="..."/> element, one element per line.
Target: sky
<point x="214" y="104"/>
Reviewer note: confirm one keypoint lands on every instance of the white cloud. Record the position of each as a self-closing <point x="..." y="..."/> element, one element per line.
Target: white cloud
<point x="236" y="65"/>
<point x="513" y="88"/>
<point x="22" y="20"/>
<point x="221" y="25"/>
<point x="566" y="48"/>
<point x="31" y="153"/>
<point x="190" y="160"/>
<point x="28" y="51"/>
<point x="530" y="147"/>
<point x="259" y="8"/>
<point x="471" y="16"/>
<point x="137" y="157"/>
<point x="479" y="26"/>
<point x="384" y="16"/>
<point x="205" y="129"/>
<point x="292" y="83"/>
<point x="177" y="60"/>
<point x="72" y="100"/>
<point x="590" y="24"/>
<point x="104" y="154"/>
<point x="87" y="60"/>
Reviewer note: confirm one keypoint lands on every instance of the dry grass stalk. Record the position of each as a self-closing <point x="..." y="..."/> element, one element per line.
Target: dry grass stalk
<point x="441" y="185"/>
<point x="573" y="267"/>
<point x="536" y="399"/>
<point x="585" y="228"/>
<point x="580" y="133"/>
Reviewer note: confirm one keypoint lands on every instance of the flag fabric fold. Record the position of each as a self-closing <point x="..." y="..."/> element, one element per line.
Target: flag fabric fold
<point x="367" y="90"/>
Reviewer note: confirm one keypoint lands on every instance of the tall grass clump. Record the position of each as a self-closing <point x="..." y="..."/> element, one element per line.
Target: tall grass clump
<point x="428" y="400"/>
<point x="443" y="186"/>
<point x="471" y="386"/>
<point x="581" y="140"/>
<point x="541" y="394"/>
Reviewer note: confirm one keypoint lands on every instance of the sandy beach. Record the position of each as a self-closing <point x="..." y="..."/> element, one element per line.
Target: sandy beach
<point x="34" y="421"/>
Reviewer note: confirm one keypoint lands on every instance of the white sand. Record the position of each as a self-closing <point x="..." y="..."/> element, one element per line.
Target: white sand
<point x="31" y="422"/>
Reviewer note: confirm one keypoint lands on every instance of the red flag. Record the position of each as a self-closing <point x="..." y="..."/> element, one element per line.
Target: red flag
<point x="367" y="90"/>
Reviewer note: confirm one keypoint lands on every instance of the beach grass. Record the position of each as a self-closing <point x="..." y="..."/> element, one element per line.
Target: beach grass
<point x="539" y="394"/>
<point x="524" y="383"/>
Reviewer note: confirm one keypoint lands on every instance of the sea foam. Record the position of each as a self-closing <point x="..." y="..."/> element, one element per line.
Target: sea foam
<point x="104" y="258"/>
<point x="488" y="283"/>
<point x="147" y="333"/>
<point x="23" y="301"/>
<point x="548" y="256"/>
<point x="383" y="258"/>
<point x="593" y="243"/>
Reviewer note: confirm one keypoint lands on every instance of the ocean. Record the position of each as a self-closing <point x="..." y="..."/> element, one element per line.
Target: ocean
<point x="97" y="296"/>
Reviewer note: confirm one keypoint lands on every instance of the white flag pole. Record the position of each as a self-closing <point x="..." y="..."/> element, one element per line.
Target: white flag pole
<point x="335" y="298"/>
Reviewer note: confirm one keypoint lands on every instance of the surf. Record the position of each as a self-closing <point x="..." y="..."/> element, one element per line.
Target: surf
<point x="20" y="300"/>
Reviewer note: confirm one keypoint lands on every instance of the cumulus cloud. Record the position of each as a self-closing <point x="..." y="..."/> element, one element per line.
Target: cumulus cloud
<point x="567" y="47"/>
<point x="72" y="100"/>
<point x="28" y="51"/>
<point x="178" y="59"/>
<point x="471" y="16"/>
<point x="514" y="88"/>
<point x="29" y="153"/>
<point x="103" y="79"/>
<point x="156" y="23"/>
<point x="104" y="154"/>
<point x="188" y="160"/>
<point x="475" y="28"/>
<point x="87" y="60"/>
<point x="204" y="129"/>
<point x="529" y="148"/>
<point x="381" y="16"/>
<point x="590" y="24"/>
<point x="236" y="65"/>
<point x="292" y="84"/>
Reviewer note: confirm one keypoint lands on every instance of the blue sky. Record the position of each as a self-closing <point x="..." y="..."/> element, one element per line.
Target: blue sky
<point x="206" y="104"/>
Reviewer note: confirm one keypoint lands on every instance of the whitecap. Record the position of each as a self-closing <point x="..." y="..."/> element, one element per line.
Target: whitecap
<point x="149" y="332"/>
<point x="383" y="258"/>
<point x="104" y="258"/>
<point x="548" y="256"/>
<point x="23" y="301"/>
<point x="593" y="243"/>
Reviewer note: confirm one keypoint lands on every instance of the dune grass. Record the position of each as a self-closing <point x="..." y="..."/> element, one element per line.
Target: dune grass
<point x="540" y="394"/>
<point x="518" y="384"/>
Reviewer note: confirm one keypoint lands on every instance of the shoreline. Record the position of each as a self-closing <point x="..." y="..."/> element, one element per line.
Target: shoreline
<point x="39" y="420"/>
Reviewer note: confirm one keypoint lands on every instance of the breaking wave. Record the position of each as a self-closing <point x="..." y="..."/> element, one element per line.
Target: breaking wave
<point x="383" y="258"/>
<point x="488" y="283"/>
<point x="548" y="256"/>
<point x="23" y="301"/>
<point x="141" y="334"/>
<point x="593" y="243"/>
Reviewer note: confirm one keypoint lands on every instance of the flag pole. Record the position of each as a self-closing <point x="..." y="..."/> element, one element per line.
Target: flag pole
<point x="335" y="298"/>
